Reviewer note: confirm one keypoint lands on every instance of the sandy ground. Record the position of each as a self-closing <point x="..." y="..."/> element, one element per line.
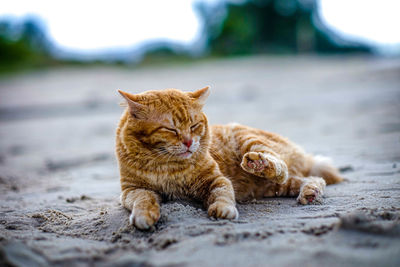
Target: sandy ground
<point x="59" y="184"/>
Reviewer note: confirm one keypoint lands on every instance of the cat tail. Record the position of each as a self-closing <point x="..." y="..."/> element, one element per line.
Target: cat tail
<point x="323" y="167"/>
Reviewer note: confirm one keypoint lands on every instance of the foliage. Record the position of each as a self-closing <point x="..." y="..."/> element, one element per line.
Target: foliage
<point x="271" y="26"/>
<point x="23" y="45"/>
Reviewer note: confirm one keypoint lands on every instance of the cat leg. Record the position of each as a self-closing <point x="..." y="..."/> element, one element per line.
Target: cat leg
<point x="309" y="190"/>
<point x="221" y="200"/>
<point x="259" y="160"/>
<point x="144" y="206"/>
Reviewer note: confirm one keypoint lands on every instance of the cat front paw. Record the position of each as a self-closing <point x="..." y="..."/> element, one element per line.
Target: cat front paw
<point x="264" y="165"/>
<point x="310" y="194"/>
<point x="223" y="210"/>
<point x="144" y="219"/>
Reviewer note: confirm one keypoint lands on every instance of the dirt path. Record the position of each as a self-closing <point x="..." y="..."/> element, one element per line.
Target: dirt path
<point x="59" y="186"/>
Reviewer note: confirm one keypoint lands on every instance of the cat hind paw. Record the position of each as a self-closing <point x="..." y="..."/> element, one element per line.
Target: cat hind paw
<point x="310" y="194"/>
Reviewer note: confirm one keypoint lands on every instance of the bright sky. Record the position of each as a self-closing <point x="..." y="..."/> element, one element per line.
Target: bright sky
<point x="375" y="22"/>
<point x="89" y="26"/>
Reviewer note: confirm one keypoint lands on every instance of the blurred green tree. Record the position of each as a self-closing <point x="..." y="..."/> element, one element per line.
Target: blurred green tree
<point x="270" y="26"/>
<point x="23" y="44"/>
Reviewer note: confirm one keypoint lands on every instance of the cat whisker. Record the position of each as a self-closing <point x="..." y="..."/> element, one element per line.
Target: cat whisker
<point x="156" y="155"/>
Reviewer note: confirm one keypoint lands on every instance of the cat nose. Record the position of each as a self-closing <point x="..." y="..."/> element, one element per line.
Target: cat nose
<point x="187" y="142"/>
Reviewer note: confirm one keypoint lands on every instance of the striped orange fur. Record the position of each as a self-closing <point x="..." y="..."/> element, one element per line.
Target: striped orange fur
<point x="165" y="149"/>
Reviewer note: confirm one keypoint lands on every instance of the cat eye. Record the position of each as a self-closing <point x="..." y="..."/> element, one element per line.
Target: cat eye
<point x="193" y="127"/>
<point x="170" y="130"/>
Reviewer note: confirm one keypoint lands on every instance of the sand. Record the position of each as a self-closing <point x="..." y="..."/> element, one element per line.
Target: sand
<point x="59" y="184"/>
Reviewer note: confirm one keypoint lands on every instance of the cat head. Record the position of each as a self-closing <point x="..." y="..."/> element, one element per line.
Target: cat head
<point x="168" y="123"/>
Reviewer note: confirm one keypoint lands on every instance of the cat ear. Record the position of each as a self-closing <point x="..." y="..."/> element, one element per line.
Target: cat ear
<point x="137" y="110"/>
<point x="201" y="95"/>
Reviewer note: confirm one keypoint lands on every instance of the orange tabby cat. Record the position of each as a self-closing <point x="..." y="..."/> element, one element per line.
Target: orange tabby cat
<point x="165" y="148"/>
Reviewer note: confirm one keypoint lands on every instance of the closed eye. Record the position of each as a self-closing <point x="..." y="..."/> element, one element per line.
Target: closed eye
<point x="170" y="130"/>
<point x="193" y="127"/>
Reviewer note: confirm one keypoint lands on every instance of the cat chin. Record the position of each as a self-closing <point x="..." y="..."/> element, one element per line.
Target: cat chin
<point x="185" y="155"/>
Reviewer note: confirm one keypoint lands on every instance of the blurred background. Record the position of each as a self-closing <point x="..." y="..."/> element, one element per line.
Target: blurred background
<point x="45" y="33"/>
<point x="324" y="73"/>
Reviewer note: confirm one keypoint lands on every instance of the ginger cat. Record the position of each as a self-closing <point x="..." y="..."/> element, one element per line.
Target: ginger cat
<point x="165" y="148"/>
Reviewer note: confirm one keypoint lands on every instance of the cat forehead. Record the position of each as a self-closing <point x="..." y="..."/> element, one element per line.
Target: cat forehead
<point x="179" y="117"/>
<point x="170" y="107"/>
<point x="170" y="98"/>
